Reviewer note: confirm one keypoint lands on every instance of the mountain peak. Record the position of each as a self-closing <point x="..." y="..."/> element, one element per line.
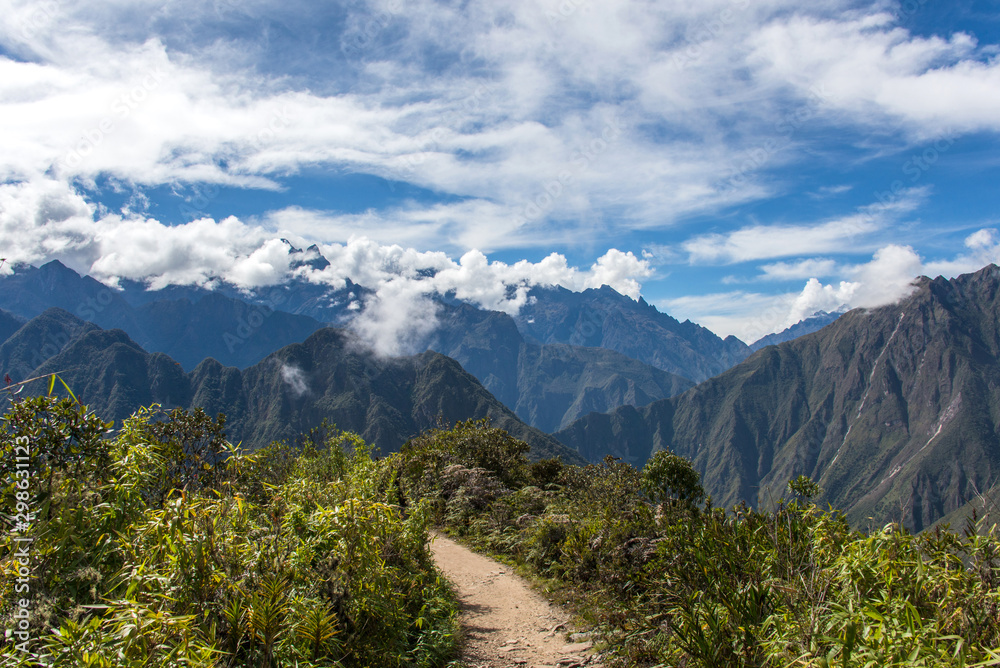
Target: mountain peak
<point x="57" y="267"/>
<point x="310" y="257"/>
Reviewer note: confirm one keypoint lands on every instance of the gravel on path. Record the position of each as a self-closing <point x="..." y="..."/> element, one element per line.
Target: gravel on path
<point x="505" y="623"/>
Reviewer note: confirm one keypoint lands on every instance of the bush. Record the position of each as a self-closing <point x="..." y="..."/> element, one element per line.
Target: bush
<point x="165" y="545"/>
<point x="668" y="478"/>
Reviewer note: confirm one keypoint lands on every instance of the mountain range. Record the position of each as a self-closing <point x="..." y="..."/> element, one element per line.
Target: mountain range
<point x="329" y="376"/>
<point x="813" y="323"/>
<point x="547" y="384"/>
<point x="603" y="318"/>
<point x="895" y="411"/>
<point x="892" y="410"/>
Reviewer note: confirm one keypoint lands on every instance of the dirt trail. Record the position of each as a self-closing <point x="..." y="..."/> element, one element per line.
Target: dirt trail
<point x="506" y="624"/>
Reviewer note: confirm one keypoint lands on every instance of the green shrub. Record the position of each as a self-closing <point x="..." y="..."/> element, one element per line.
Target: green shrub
<point x="165" y="545"/>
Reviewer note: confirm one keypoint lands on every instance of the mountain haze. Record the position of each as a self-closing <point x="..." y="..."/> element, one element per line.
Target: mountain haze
<point x="546" y="385"/>
<point x="190" y="325"/>
<point x="601" y="317"/>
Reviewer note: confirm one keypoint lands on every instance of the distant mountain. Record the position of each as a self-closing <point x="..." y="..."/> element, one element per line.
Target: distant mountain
<point x="232" y="331"/>
<point x="328" y="376"/>
<point x="547" y="386"/>
<point x="606" y="319"/>
<point x="894" y="411"/>
<point x="9" y="323"/>
<point x="326" y="304"/>
<point x="190" y="325"/>
<point x="323" y="303"/>
<point x="31" y="290"/>
<point x="813" y="323"/>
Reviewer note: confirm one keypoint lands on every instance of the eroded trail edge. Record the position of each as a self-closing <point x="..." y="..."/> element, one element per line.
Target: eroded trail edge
<point x="505" y="622"/>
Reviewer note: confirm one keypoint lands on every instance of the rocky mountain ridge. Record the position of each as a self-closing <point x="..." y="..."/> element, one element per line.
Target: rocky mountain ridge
<point x="895" y="411"/>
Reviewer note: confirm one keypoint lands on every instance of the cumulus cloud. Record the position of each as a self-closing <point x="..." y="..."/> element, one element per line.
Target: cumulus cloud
<point x="399" y="320"/>
<point x="402" y="314"/>
<point x="868" y="66"/>
<point x="983" y="249"/>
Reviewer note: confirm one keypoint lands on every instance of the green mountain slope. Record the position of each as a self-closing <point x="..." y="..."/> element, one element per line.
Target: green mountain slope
<point x="327" y="377"/>
<point x="9" y="323"/>
<point x="39" y="339"/>
<point x="894" y="411"/>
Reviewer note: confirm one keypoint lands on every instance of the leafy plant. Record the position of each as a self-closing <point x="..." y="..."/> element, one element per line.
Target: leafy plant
<point x="163" y="544"/>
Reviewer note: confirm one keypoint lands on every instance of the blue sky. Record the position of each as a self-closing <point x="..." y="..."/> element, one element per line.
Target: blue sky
<point x="740" y="163"/>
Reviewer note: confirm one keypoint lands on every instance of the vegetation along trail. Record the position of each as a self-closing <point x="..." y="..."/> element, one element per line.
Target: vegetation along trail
<point x="505" y="622"/>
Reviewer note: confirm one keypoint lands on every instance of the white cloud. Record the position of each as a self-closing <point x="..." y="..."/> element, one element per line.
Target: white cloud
<point x="808" y="268"/>
<point x="984" y="249"/>
<point x="398" y="320"/>
<point x="879" y="72"/>
<point x="847" y="234"/>
<point x="295" y="378"/>
<point x="745" y="315"/>
<point x="526" y="100"/>
<point x="536" y="122"/>
<point x="47" y="220"/>
<point x="886" y="279"/>
<point x="761" y="242"/>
